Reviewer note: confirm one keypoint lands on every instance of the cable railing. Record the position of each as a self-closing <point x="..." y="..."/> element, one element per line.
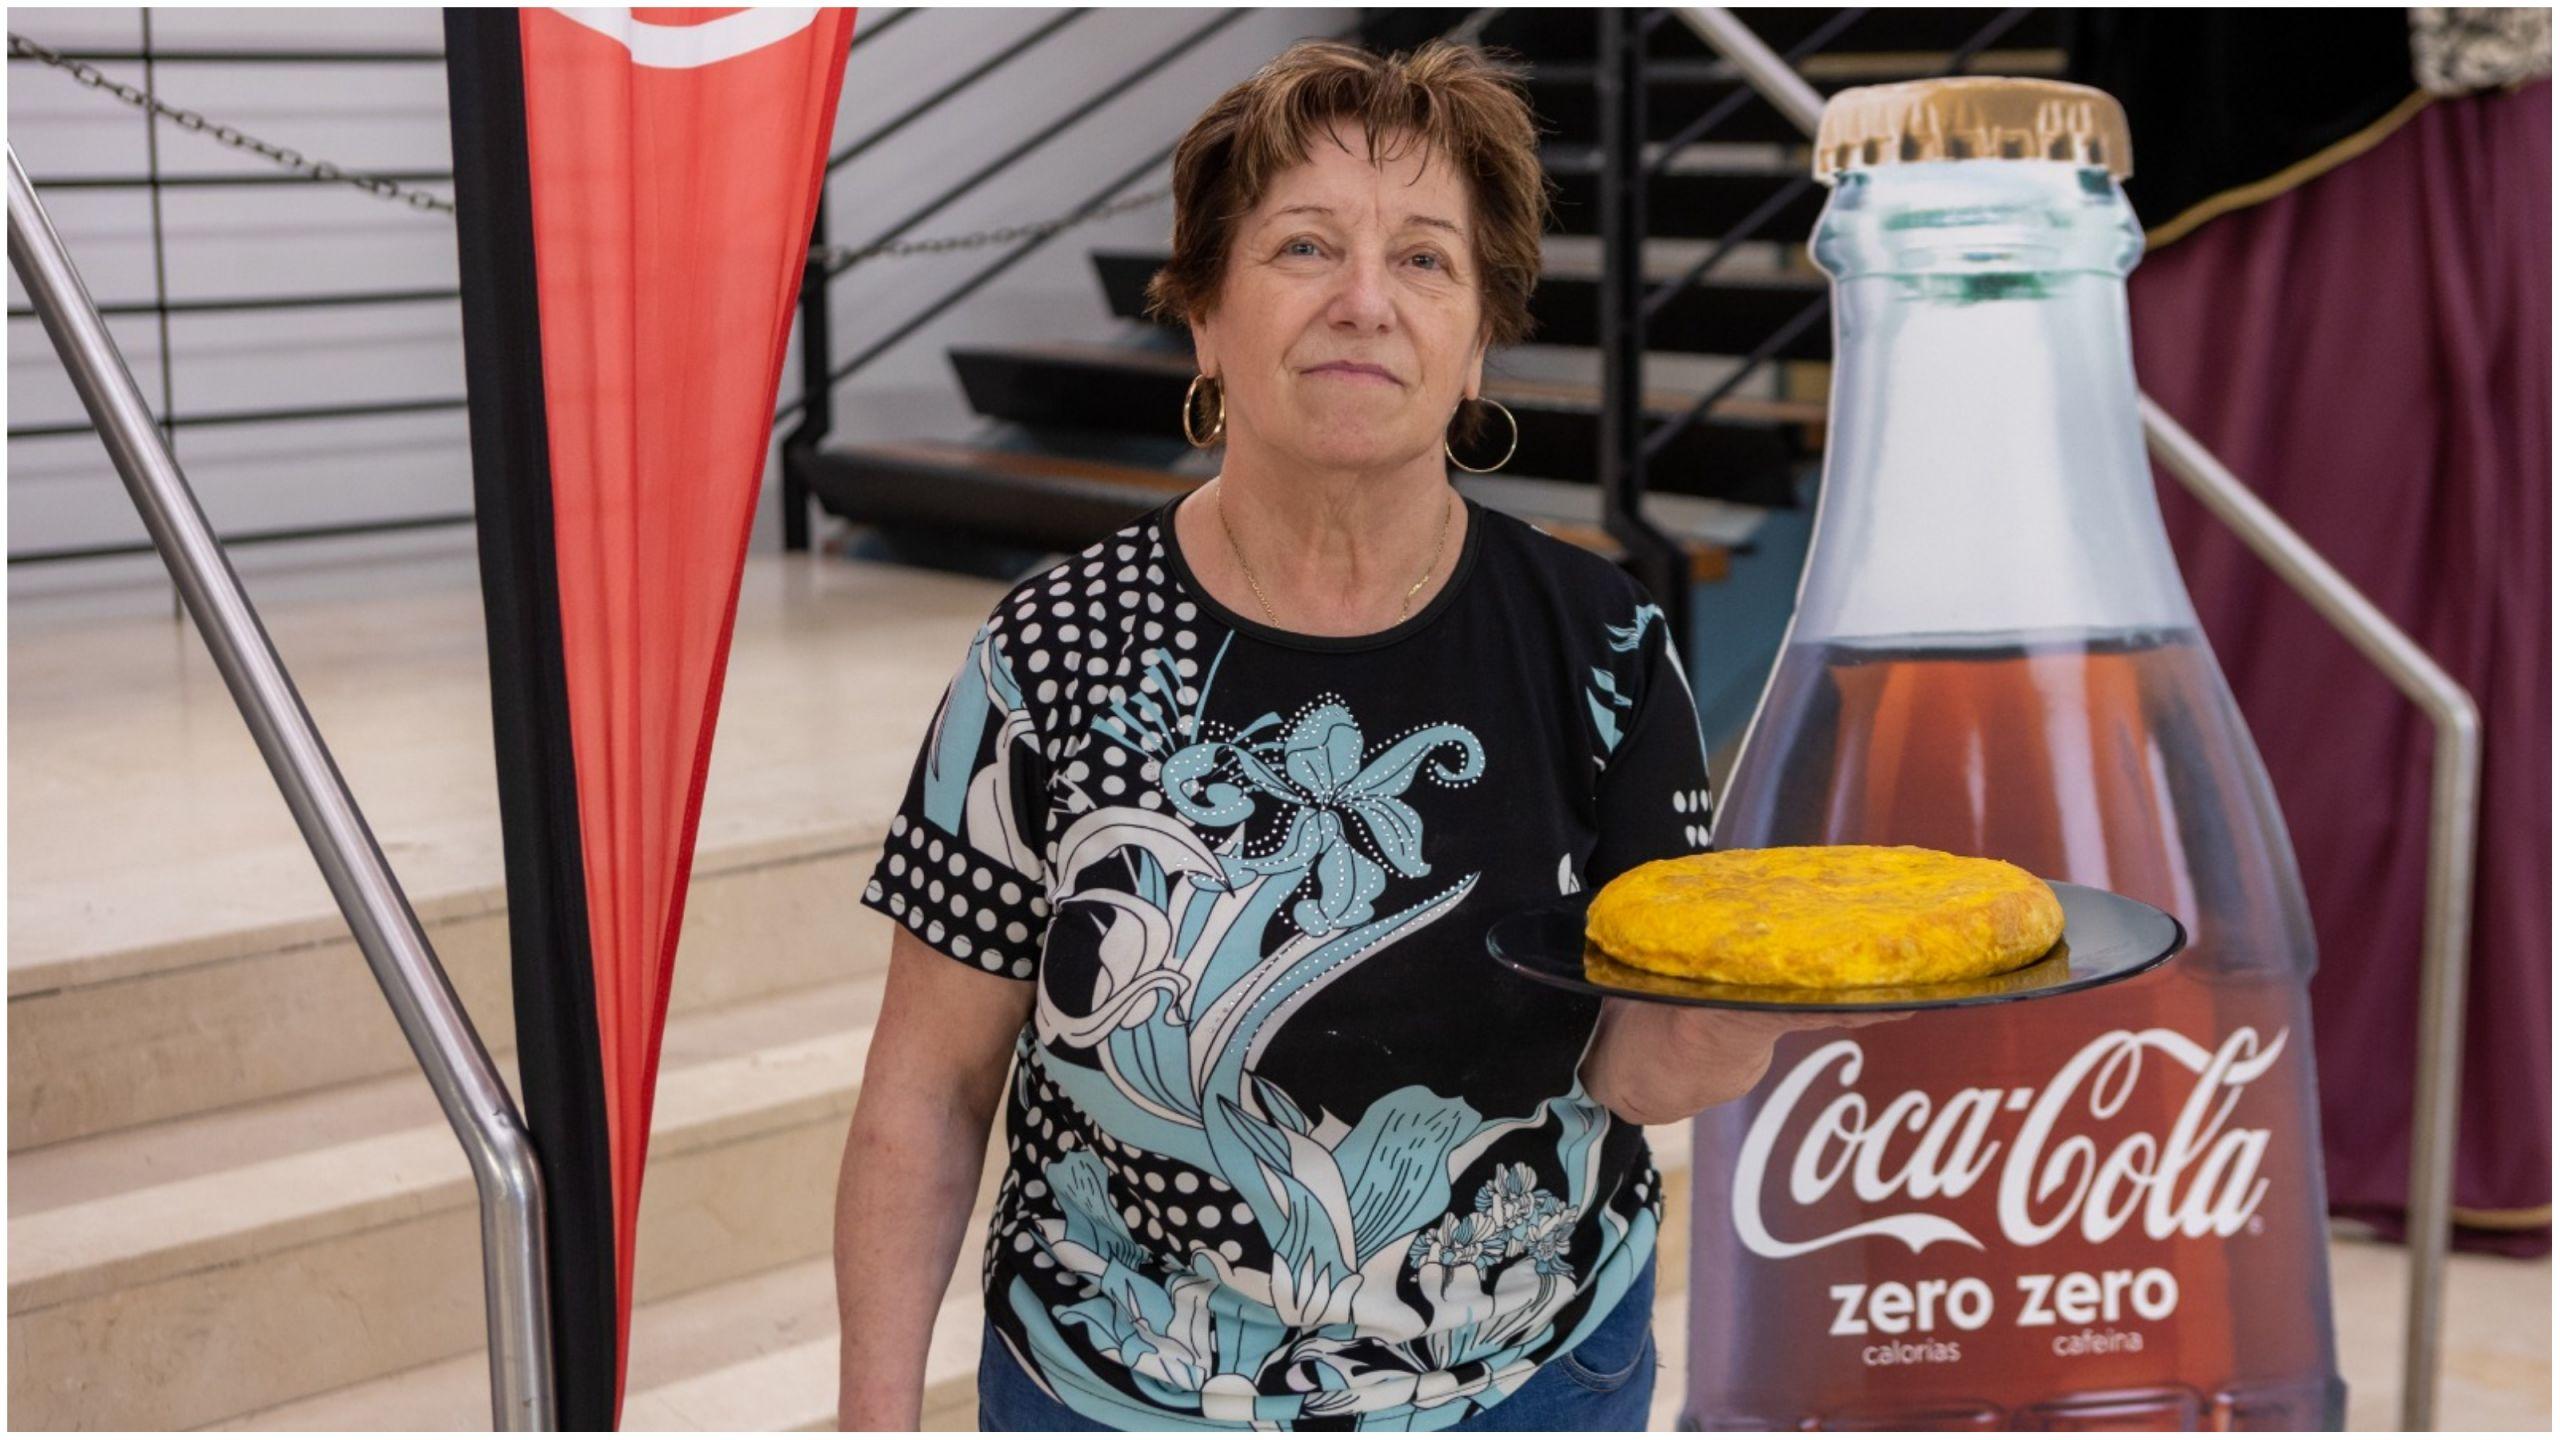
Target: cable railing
<point x="218" y="180"/>
<point x="169" y="420"/>
<point x="827" y="261"/>
<point x="250" y="303"/>
<point x="2454" y="786"/>
<point x="282" y="414"/>
<point x="1630" y="443"/>
<point x="256" y="57"/>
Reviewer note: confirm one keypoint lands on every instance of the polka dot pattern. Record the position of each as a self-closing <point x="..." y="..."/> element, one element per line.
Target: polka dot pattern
<point x="1694" y="810"/>
<point x="970" y="905"/>
<point x="1105" y="663"/>
<point x="1042" y="1125"/>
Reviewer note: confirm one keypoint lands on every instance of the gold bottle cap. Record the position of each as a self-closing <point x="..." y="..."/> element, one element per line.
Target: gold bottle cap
<point x="1971" y="118"/>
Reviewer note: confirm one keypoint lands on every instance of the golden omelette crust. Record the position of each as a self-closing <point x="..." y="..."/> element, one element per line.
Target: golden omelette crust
<point x="1826" y="916"/>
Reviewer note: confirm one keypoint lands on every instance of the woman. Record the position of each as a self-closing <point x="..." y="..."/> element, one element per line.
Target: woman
<point x="1213" y="820"/>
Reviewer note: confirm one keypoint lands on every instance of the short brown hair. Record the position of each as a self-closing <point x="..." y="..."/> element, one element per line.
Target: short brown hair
<point x="1462" y="105"/>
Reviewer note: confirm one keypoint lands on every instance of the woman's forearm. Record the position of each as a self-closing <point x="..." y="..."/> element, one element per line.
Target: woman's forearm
<point x="903" y="1200"/>
<point x="1653" y="1064"/>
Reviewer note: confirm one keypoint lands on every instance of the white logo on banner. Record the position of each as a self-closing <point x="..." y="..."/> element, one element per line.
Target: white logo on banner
<point x="2199" y="1180"/>
<point x="683" y="47"/>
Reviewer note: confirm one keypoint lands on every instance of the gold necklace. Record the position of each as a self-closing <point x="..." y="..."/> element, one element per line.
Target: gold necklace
<point x="1404" y="608"/>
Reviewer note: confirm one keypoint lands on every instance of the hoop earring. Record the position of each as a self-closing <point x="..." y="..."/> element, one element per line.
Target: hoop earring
<point x="1507" y="451"/>
<point x="1191" y="407"/>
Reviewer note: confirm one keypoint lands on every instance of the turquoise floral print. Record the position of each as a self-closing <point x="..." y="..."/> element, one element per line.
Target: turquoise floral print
<point x="1208" y="945"/>
<point x="1605" y="697"/>
<point x="1513" y="1217"/>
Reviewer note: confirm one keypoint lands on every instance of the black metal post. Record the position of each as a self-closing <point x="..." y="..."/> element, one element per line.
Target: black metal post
<point x="1654" y="558"/>
<point x="168" y="358"/>
<point x="817" y="390"/>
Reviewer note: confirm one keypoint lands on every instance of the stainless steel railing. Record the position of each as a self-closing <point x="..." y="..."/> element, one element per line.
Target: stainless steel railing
<point x="2454" y="821"/>
<point x="2452" y="834"/>
<point x="466" y="1084"/>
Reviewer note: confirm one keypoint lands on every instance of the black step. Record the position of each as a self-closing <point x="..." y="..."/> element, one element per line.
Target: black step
<point x="1728" y="314"/>
<point x="1744" y="451"/>
<point x="998" y="496"/>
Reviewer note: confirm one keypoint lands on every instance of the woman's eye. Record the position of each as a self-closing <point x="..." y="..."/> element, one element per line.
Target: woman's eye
<point x="1308" y="248"/>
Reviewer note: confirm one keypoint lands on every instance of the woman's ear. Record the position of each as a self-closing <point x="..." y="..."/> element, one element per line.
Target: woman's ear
<point x="1475" y="369"/>
<point x="1204" y="347"/>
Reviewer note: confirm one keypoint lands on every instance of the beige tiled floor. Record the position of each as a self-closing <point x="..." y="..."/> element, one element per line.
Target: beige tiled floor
<point x="140" y="816"/>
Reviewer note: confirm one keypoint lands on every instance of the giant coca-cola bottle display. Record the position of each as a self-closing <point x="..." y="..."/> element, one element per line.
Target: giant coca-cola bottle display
<point x="2098" y="1211"/>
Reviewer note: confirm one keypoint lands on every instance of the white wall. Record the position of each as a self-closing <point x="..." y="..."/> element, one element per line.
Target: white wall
<point x="276" y="240"/>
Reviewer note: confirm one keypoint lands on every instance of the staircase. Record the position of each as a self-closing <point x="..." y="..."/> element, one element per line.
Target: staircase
<point x="233" y="1203"/>
<point x="1081" y="435"/>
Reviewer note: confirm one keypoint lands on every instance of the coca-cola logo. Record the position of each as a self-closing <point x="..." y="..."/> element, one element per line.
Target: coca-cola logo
<point x="2201" y="1178"/>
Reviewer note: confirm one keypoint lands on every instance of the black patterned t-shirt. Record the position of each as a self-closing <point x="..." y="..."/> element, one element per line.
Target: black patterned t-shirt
<point x="1286" y="1146"/>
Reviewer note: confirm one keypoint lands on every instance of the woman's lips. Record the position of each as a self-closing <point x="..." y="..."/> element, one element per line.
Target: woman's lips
<point x="1355" y="371"/>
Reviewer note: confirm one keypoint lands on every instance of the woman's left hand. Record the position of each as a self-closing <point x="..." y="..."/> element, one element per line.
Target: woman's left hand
<point x="1654" y="1063"/>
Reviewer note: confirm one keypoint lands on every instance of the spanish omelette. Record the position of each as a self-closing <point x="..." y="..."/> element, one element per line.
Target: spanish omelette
<point x="1825" y="916"/>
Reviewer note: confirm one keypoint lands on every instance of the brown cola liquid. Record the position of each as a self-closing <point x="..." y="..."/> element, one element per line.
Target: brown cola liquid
<point x="2114" y="760"/>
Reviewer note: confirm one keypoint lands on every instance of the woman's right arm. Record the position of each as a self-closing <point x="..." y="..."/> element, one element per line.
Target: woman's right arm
<point x="930" y="1087"/>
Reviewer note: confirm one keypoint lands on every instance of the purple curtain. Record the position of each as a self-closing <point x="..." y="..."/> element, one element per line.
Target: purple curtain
<point x="2371" y="352"/>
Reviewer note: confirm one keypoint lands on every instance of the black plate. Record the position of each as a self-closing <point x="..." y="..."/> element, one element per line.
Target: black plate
<point x="2106" y="937"/>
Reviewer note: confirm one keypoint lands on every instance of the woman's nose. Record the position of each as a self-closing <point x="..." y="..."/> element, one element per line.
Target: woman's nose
<point x="1360" y="303"/>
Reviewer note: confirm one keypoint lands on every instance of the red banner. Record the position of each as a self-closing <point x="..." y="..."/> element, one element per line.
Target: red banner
<point x="672" y="165"/>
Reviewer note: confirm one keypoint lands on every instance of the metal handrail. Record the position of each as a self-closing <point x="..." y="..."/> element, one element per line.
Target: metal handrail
<point x="2453" y="829"/>
<point x="475" y="1099"/>
<point x="2454" y="810"/>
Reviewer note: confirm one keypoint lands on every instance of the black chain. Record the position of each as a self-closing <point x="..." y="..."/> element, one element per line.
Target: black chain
<point x="842" y="257"/>
<point x="232" y="136"/>
<point x="837" y="258"/>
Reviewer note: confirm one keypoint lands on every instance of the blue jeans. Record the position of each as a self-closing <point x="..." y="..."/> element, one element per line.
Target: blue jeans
<point x="1605" y="1383"/>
